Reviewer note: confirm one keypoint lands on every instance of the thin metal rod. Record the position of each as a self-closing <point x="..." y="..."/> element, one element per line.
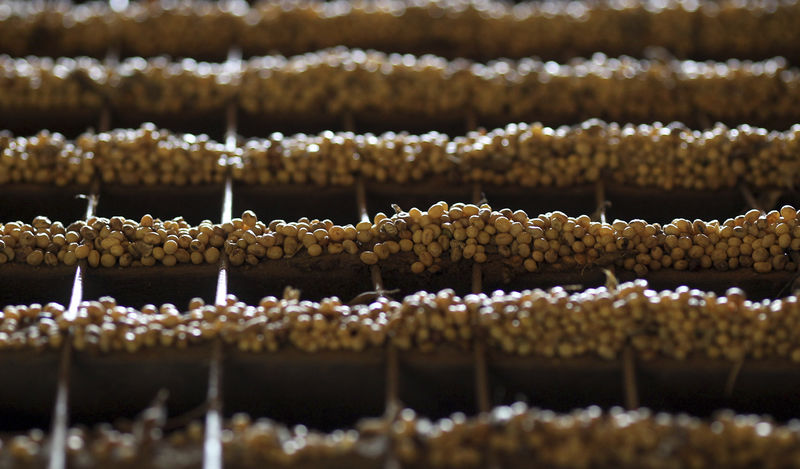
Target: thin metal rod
<point x="225" y="217"/>
<point x="377" y="280"/>
<point x="111" y="60"/>
<point x="59" y="426"/>
<point x="730" y="383"/>
<point x="629" y="379"/>
<point x="105" y="119"/>
<point x="377" y="286"/>
<point x="481" y="368"/>
<point x="471" y="122"/>
<point x="92" y="200"/>
<point x="232" y="65"/>
<point x="234" y="58"/>
<point x="361" y="200"/>
<point x="112" y="56"/>
<point x="212" y="445"/>
<point x="600" y="201"/>
<point x="227" y="201"/>
<point x="231" y="126"/>
<point x="477" y="278"/>
<point x="77" y="292"/>
<point x="392" y="381"/>
<point x="348" y="123"/>
<point x="749" y="198"/>
<point x="222" y="283"/>
<point x="765" y="203"/>
<point x="60" y="423"/>
<point x="477" y="193"/>
<point x="58" y="443"/>
<point x="392" y="403"/>
<point x="103" y="125"/>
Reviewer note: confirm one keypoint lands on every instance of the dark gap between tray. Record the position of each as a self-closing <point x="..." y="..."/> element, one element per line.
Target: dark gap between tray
<point x="28" y="390"/>
<point x="398" y="276"/>
<point x="193" y="203"/>
<point x="694" y="120"/>
<point x="573" y="201"/>
<point x="439" y="383"/>
<point x="772" y="389"/>
<point x="342" y="276"/>
<point x="659" y="206"/>
<point x="698" y="387"/>
<point x="497" y="276"/>
<point x="757" y="286"/>
<point x="137" y="286"/>
<point x="121" y="385"/>
<point x="381" y="196"/>
<point x="325" y="390"/>
<point x="71" y="123"/>
<point x="451" y="124"/>
<point x="789" y="198"/>
<point x="292" y="202"/>
<point x="211" y="122"/>
<point x="24" y="202"/>
<point x="126" y="52"/>
<point x="23" y="284"/>
<point x="559" y="385"/>
<point x="262" y="124"/>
